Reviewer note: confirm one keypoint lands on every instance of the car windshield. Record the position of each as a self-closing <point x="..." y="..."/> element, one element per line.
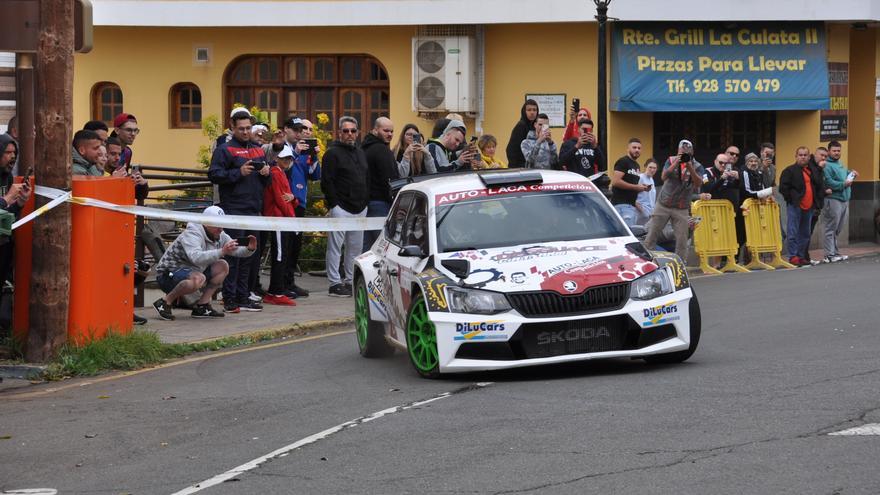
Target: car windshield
<point x="527" y="218"/>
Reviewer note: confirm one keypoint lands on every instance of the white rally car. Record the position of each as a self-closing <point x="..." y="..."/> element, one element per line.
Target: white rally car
<point x="500" y="269"/>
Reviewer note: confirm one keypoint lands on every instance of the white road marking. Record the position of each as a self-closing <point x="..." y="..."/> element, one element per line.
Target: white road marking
<point x="31" y="491"/>
<point x="284" y="451"/>
<point x="868" y="429"/>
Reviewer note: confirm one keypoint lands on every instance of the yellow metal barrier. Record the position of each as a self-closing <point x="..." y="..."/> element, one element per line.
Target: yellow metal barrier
<point x="763" y="234"/>
<point x="716" y="234"/>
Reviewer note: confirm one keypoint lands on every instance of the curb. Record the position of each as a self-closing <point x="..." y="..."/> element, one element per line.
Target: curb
<point x="22" y="371"/>
<point x="271" y="333"/>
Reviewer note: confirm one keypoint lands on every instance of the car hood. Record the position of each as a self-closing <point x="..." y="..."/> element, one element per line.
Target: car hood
<point x="563" y="267"/>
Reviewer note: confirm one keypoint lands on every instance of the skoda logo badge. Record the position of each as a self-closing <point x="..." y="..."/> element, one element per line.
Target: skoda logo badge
<point x="570" y="285"/>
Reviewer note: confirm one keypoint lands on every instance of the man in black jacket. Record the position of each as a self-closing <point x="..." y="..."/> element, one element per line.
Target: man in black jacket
<point x="802" y="186"/>
<point x="383" y="168"/>
<point x="528" y="115"/>
<point x="239" y="167"/>
<point x="344" y="181"/>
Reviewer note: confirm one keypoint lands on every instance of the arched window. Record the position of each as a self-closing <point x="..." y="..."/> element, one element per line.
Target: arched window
<point x="106" y="102"/>
<point x="186" y="106"/>
<point x="306" y="85"/>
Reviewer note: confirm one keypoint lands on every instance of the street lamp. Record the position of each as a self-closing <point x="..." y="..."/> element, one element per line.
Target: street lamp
<point x="602" y="113"/>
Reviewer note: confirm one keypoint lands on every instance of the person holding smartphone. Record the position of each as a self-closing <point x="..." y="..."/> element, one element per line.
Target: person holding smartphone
<point x="412" y="157"/>
<point x="582" y="155"/>
<point x="241" y="185"/>
<point x="538" y="147"/>
<point x="195" y="261"/>
<point x="12" y="198"/>
<point x="646" y="199"/>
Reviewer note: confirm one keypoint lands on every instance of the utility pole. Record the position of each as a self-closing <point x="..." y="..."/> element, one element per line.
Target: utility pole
<point x="50" y="278"/>
<point x="602" y="114"/>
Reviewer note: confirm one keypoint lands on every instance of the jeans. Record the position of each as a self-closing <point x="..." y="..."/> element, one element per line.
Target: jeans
<point x="798" y="230"/>
<point x="629" y="213"/>
<point x="834" y="214"/>
<point x="353" y="241"/>
<point x="236" y="285"/>
<point x="374" y="209"/>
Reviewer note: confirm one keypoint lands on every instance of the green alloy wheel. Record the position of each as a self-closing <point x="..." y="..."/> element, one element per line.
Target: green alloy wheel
<point x="370" y="334"/>
<point x="421" y="339"/>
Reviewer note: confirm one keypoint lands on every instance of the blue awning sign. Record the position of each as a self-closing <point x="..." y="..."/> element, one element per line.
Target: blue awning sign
<point x="708" y="67"/>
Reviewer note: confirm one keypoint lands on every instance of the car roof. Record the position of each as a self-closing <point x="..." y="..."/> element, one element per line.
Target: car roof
<point x="447" y="183"/>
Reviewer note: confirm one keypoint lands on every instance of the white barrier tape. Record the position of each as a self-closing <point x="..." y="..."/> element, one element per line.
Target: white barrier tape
<point x="64" y="196"/>
<point x="240" y="222"/>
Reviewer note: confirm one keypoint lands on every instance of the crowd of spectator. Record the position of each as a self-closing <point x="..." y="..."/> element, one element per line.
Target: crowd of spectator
<point x="260" y="173"/>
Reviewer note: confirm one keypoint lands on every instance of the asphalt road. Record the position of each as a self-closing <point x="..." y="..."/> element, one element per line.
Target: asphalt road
<point x="785" y="359"/>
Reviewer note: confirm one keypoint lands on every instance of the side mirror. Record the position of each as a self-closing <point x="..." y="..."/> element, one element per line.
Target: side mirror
<point x="411" y="251"/>
<point x="459" y="268"/>
<point x="639" y="231"/>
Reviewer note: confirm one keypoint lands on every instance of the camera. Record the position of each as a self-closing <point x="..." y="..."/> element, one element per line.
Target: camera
<point x="685" y="157"/>
<point x="258" y="164"/>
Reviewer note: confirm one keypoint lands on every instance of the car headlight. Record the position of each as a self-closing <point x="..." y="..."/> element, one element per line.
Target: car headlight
<point x="654" y="284"/>
<point x="476" y="301"/>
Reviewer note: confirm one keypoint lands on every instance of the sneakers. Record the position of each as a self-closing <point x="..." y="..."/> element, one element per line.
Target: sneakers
<point x="139" y="320"/>
<point x="798" y="261"/>
<point x="833" y="258"/>
<point x="299" y="291"/>
<point x="250" y="306"/>
<point x="231" y="308"/>
<point x="206" y="311"/>
<point x="278" y="300"/>
<point x="843" y="257"/>
<point x="164" y="310"/>
<point x="254" y="298"/>
<point x="339" y="290"/>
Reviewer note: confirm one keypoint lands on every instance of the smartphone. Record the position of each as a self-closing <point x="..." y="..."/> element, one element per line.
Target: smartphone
<point x="312" y="144"/>
<point x="649" y="186"/>
<point x="417" y="139"/>
<point x="473" y="139"/>
<point x="243" y="241"/>
<point x="27" y="177"/>
<point x="576" y="105"/>
<point x="258" y="164"/>
<point x="135" y="169"/>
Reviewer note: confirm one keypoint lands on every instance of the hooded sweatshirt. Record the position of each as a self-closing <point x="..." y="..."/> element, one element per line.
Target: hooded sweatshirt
<point x="382" y="165"/>
<point x="193" y="249"/>
<point x="81" y="166"/>
<point x="345" y="177"/>
<point x="543" y="155"/>
<point x="520" y="132"/>
<point x="6" y="174"/>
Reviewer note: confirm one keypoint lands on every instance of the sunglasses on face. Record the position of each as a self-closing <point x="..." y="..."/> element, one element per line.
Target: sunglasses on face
<point x="307" y="128"/>
<point x="349" y="131"/>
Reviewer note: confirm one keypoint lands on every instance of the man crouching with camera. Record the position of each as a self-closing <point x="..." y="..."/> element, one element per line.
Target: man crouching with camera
<point x="682" y="177"/>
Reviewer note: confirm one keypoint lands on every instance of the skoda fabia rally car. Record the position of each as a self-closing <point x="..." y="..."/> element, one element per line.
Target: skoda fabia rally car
<point x="491" y="270"/>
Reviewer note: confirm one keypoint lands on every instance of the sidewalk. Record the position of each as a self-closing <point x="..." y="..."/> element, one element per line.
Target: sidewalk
<point x="318" y="309"/>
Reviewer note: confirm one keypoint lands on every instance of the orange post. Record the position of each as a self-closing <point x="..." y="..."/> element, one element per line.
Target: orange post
<point x="23" y="238"/>
<point x="101" y="261"/>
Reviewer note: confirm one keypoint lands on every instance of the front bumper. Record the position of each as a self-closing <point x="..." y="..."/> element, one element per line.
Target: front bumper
<point x="509" y="340"/>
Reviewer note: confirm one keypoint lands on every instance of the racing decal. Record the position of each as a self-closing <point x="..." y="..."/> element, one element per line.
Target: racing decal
<point x="434" y="284"/>
<point x="676" y="267"/>
<point x="480" y="330"/>
<point x="590" y="272"/>
<point x="660" y="315"/>
<point x="532" y="252"/>
<point x="490" y="275"/>
<point x="377" y="295"/>
<point x="456" y="196"/>
<point x="471" y="255"/>
<point x="518" y="277"/>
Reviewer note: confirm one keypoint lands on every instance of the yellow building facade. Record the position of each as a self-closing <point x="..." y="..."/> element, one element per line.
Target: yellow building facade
<point x="549" y="58"/>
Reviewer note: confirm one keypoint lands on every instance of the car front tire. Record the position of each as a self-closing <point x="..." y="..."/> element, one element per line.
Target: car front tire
<point x="421" y="339"/>
<point x="695" y="327"/>
<point x="370" y="334"/>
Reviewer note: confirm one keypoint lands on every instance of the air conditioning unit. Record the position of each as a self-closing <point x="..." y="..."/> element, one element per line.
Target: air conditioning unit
<point x="444" y="74"/>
